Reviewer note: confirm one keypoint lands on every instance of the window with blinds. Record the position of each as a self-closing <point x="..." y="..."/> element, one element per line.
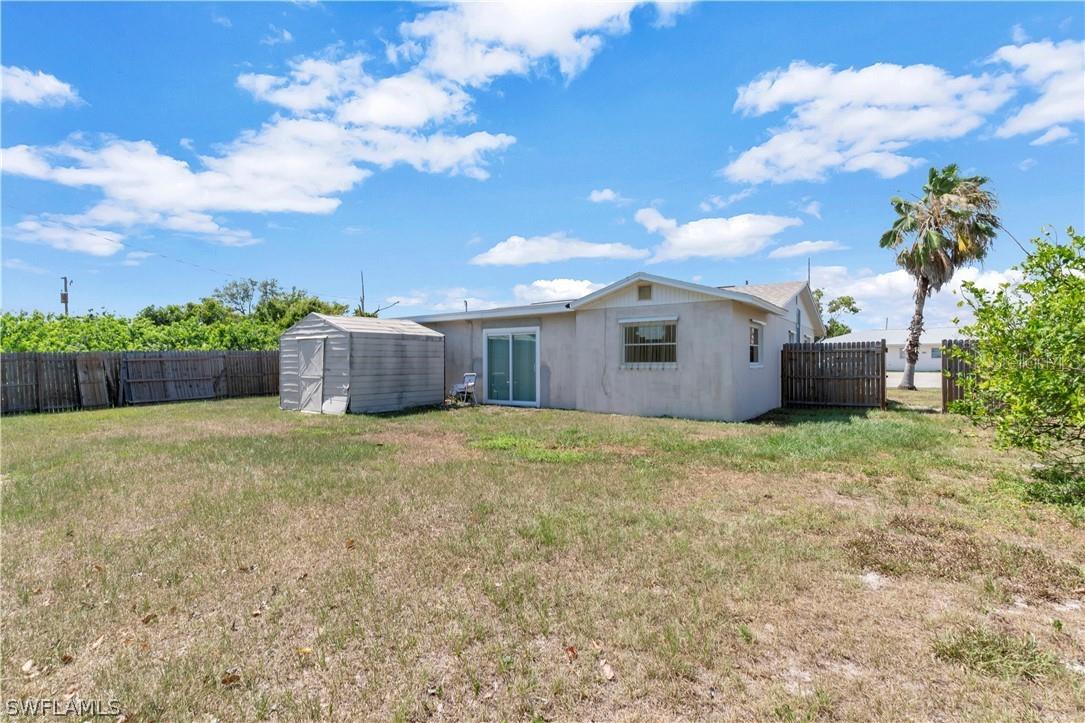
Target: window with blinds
<point x="650" y="343"/>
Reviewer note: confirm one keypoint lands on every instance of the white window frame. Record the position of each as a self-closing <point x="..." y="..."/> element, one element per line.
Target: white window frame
<point x="760" y="326"/>
<point x="509" y="331"/>
<point x="935" y="355"/>
<point x="623" y="323"/>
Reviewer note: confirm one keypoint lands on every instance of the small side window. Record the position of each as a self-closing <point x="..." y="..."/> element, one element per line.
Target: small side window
<point x="936" y="352"/>
<point x="755" y="344"/>
<point x="644" y="293"/>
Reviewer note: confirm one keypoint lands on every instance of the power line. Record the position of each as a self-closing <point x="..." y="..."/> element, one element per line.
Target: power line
<point x="175" y="259"/>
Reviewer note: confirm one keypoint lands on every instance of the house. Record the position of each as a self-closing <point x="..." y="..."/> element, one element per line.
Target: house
<point x="335" y="364"/>
<point x="646" y="345"/>
<point x="930" y="345"/>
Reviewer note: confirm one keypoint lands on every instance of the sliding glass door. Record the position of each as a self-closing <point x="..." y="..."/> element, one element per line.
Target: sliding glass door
<point x="512" y="357"/>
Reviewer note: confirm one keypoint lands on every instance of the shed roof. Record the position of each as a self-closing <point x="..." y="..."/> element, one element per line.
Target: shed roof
<point x="374" y="325"/>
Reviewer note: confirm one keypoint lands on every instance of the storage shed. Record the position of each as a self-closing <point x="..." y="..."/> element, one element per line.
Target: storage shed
<point x="336" y="364"/>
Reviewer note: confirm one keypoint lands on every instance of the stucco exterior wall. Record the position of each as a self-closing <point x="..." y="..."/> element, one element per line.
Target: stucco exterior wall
<point x="697" y="386"/>
<point x="756" y="387"/>
<point x="894" y="360"/>
<point x="557" y="344"/>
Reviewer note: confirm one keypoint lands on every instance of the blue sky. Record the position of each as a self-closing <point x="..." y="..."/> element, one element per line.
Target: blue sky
<point x="506" y="154"/>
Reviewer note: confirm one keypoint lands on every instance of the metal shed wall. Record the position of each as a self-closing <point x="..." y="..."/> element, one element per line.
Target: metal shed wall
<point x="396" y="371"/>
<point x="370" y="365"/>
<point x="336" y="364"/>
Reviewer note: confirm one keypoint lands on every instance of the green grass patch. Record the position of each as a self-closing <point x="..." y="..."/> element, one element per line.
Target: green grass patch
<point x="533" y="450"/>
<point x="997" y="654"/>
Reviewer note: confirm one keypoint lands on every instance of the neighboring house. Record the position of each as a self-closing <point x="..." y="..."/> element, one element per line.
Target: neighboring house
<point x="930" y="345"/>
<point x="645" y="345"/>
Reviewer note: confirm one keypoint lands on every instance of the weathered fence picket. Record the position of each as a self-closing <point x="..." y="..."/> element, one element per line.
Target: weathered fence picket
<point x="955" y="365"/>
<point x="844" y="374"/>
<point x="50" y="382"/>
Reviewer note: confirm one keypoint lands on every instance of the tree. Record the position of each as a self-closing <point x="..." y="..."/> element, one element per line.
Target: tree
<point x="846" y="304"/>
<point x="1028" y="365"/>
<point x="238" y="295"/>
<point x="951" y="225"/>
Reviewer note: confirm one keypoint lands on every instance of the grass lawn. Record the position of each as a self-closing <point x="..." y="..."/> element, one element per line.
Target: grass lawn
<point x="227" y="559"/>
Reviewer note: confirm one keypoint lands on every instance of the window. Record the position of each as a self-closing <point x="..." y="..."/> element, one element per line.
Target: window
<point x="650" y="343"/>
<point x="936" y="352"/>
<point x="755" y="344"/>
<point x="644" y="293"/>
<point x="901" y="352"/>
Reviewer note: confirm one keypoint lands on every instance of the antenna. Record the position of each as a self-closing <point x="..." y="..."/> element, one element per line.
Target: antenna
<point x="807" y="270"/>
<point x="465" y="306"/>
<point x="362" y="275"/>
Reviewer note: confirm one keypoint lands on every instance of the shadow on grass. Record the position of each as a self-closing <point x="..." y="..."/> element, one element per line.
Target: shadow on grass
<point x="790" y="416"/>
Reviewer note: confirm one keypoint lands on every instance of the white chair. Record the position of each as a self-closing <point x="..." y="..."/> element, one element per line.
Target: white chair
<point x="465" y="389"/>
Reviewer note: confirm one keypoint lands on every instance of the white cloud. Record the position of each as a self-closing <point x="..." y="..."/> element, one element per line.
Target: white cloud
<point x="276" y="36"/>
<point x="858" y="119"/>
<point x="61" y="236"/>
<point x="20" y="265"/>
<point x="20" y="85"/>
<point x="607" y="195"/>
<point x="1055" y="133"/>
<point x="519" y="251"/>
<point x="812" y="209"/>
<point x="135" y="258"/>
<point x="410" y="100"/>
<point x="441" y="300"/>
<point x="554" y="290"/>
<point x="1057" y="71"/>
<point x="1026" y="164"/>
<point x="340" y="124"/>
<point x="312" y="83"/>
<point x="717" y="238"/>
<point x="717" y="202"/>
<point x="891" y="294"/>
<point x="1017" y="32"/>
<point x="805" y="248"/>
<point x="221" y="20"/>
<point x="473" y="43"/>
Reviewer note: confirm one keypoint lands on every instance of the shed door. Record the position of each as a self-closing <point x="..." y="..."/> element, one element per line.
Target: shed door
<point x="311" y="374"/>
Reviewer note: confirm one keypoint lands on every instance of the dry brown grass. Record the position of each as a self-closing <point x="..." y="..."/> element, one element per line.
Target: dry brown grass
<point x="234" y="561"/>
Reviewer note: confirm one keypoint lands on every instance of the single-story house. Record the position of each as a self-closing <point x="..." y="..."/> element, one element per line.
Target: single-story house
<point x="646" y="345"/>
<point x="930" y="345"/>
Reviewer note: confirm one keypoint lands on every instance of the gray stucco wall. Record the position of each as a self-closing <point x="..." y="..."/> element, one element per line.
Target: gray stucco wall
<point x="557" y="344"/>
<point x="581" y="360"/>
<point x="756" y="388"/>
<point x="697" y="386"/>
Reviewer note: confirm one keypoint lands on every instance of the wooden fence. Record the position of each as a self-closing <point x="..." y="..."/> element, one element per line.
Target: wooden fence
<point x="844" y="374"/>
<point x="54" y="382"/>
<point x="954" y="367"/>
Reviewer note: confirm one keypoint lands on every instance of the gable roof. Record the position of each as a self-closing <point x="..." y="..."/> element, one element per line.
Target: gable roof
<point x="374" y="325"/>
<point x="780" y="294"/>
<point x="713" y="291"/>
<point x="933" y="335"/>
<point x="732" y="293"/>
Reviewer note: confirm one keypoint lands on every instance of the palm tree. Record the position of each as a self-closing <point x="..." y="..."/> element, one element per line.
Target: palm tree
<point x="952" y="225"/>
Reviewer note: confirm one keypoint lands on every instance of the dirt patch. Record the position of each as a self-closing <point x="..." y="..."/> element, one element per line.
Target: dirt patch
<point x="424" y="448"/>
<point x="916" y="545"/>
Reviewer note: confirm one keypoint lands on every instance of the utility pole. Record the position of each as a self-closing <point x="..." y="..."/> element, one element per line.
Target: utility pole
<point x="64" y="293"/>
